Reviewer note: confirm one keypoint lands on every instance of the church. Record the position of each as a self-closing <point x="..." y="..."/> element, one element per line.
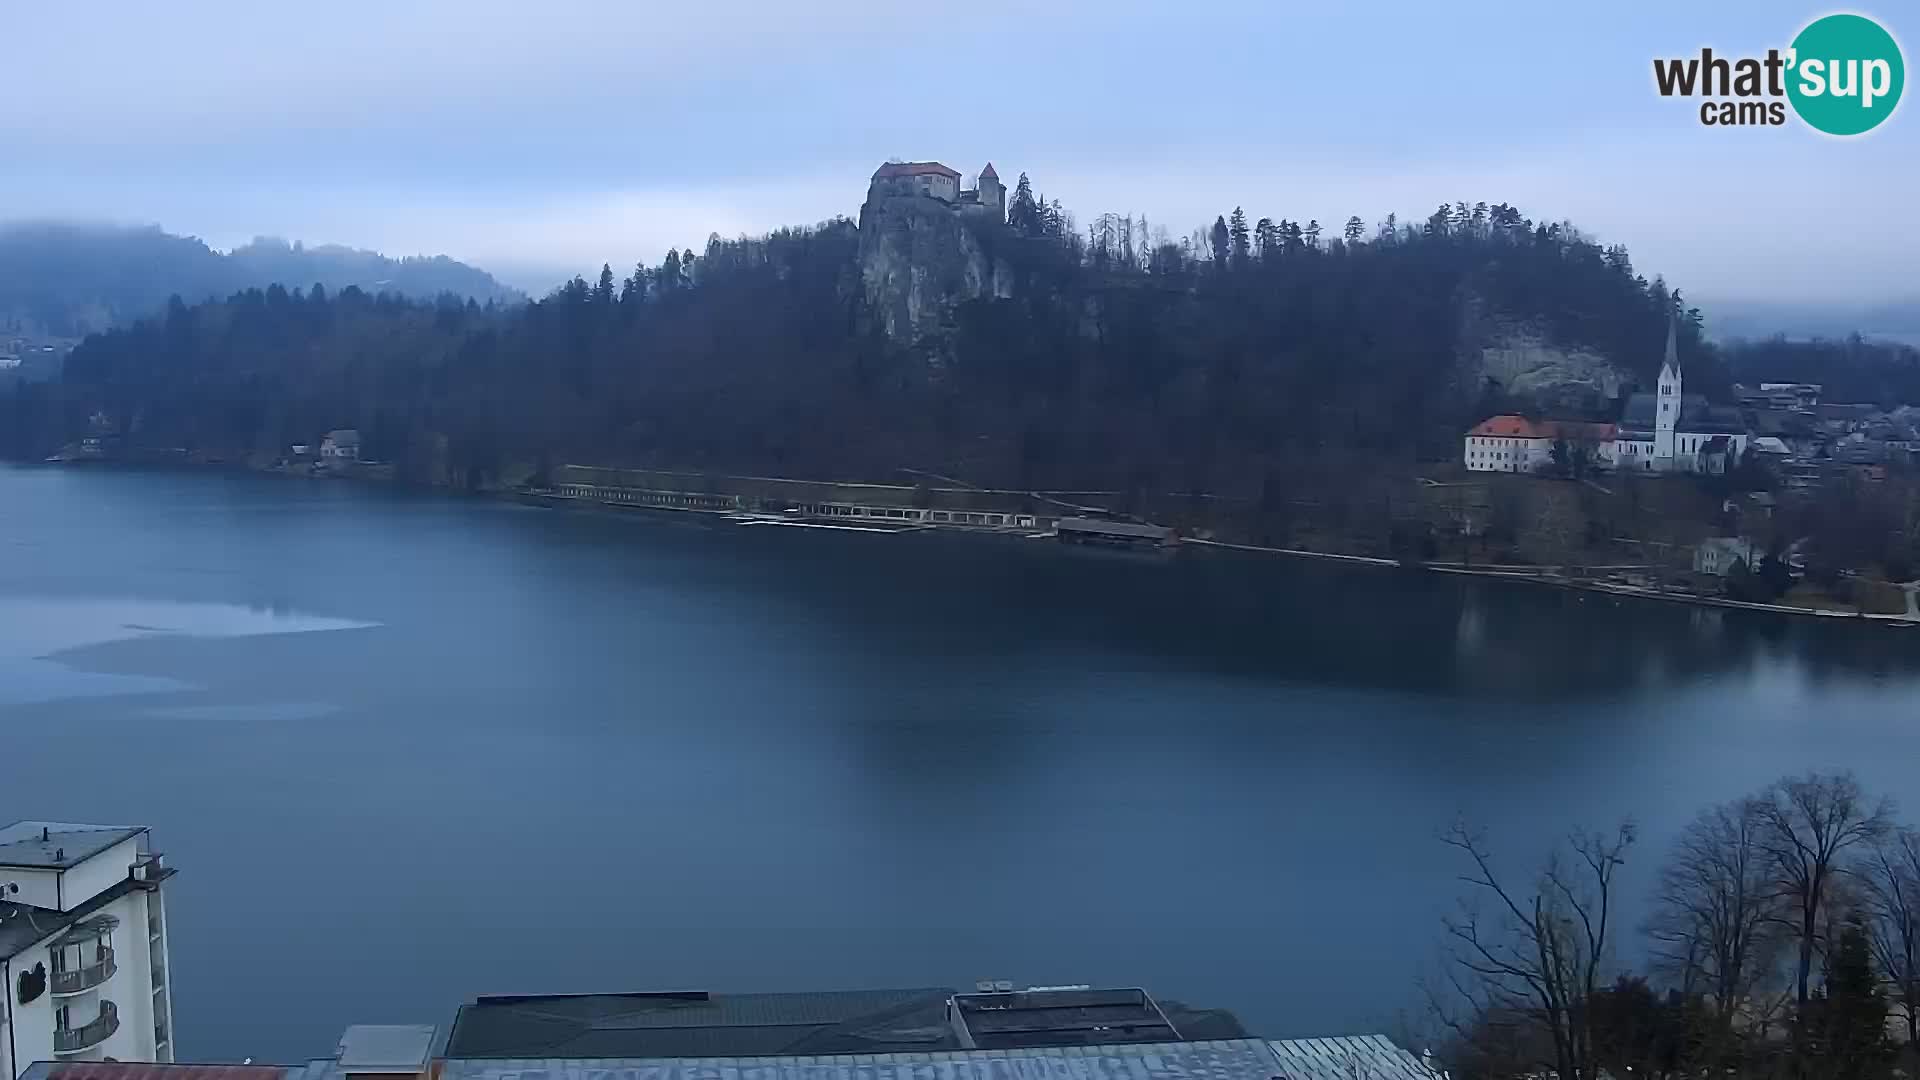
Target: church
<point x="1671" y="431"/>
<point x="1667" y="431"/>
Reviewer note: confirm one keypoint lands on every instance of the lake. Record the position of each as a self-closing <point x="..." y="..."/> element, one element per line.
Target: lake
<point x="407" y="748"/>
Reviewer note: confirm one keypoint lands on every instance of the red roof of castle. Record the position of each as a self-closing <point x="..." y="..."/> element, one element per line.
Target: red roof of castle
<point x="988" y="171"/>
<point x="914" y="168"/>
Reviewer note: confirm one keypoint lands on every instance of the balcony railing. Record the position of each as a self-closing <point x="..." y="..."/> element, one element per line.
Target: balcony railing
<point x="86" y="978"/>
<point x="74" y="1040"/>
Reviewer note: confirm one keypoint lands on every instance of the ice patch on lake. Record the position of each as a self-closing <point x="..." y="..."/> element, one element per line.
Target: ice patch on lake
<point x="35" y="630"/>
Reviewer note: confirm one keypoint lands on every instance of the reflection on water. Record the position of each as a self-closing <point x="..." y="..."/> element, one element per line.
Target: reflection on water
<point x="34" y="631"/>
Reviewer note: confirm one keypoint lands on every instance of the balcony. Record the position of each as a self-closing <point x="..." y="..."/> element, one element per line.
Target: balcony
<point x="76" y="1040"/>
<point x="73" y="982"/>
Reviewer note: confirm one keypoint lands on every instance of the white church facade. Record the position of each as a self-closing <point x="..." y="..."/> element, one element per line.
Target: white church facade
<point x="1667" y="431"/>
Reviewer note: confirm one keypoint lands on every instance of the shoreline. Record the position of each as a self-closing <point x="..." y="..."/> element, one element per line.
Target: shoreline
<point x="1518" y="574"/>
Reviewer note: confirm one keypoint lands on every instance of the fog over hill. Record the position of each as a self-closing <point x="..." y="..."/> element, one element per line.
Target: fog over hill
<point x="68" y="279"/>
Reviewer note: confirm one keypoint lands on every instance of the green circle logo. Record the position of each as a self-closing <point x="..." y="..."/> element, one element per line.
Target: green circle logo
<point x="1846" y="74"/>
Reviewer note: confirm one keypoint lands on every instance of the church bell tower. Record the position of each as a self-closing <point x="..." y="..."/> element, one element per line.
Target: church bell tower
<point x="1666" y="416"/>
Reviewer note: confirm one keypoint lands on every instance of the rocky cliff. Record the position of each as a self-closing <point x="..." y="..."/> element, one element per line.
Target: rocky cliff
<point x="919" y="257"/>
<point x="1524" y="364"/>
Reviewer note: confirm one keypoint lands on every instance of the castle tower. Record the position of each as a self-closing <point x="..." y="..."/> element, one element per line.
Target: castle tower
<point x="1667" y="414"/>
<point x="993" y="194"/>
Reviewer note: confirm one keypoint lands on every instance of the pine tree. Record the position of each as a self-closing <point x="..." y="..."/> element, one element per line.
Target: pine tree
<point x="1023" y="213"/>
<point x="603" y="291"/>
<point x="1844" y="1028"/>
<point x="669" y="276"/>
<point x="1238" y="237"/>
<point x="1218" y="240"/>
<point x="1313" y="235"/>
<point x="1264" y="240"/>
<point x="1355" y="227"/>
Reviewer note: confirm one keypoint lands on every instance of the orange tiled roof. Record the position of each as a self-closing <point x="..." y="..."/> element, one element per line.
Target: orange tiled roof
<point x="1509" y="426"/>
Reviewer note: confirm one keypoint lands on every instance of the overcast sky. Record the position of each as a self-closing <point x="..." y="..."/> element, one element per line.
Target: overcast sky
<point x="541" y="139"/>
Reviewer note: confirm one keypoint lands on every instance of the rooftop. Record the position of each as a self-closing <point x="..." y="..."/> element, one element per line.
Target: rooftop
<point x="914" y="168"/>
<point x="698" y="1024"/>
<point x="386" y="1047"/>
<point x="1520" y="427"/>
<point x="1371" y="1056"/>
<point x="58" y="845"/>
<point x="1696" y="416"/>
<point x="1066" y="1016"/>
<point x="143" y="1070"/>
<point x="1226" y="1059"/>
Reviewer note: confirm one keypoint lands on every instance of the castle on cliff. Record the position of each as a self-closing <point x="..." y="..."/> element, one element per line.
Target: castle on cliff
<point x="935" y="181"/>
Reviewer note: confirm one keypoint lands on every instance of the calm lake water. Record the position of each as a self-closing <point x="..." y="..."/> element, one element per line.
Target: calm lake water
<point x="409" y="748"/>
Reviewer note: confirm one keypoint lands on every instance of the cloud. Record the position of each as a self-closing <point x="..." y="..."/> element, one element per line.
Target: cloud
<point x="545" y="140"/>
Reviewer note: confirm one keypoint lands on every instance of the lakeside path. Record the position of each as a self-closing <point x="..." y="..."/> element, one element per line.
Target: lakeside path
<point x="1539" y="577"/>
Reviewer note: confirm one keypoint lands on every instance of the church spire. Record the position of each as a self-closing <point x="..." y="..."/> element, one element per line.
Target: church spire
<point x="1672" y="362"/>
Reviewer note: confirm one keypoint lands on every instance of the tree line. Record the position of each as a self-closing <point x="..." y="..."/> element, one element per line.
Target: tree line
<point x="1782" y="939"/>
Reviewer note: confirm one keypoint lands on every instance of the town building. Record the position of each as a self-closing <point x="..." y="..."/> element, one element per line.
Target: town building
<point x="340" y="448"/>
<point x="988" y="196"/>
<point x="1512" y="443"/>
<point x="1718" y="555"/>
<point x="83" y="946"/>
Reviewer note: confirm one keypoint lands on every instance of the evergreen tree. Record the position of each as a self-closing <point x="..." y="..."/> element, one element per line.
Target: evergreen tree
<point x="1313" y="236"/>
<point x="1266" y="239"/>
<point x="1238" y="237"/>
<point x="1351" y="234"/>
<point x="1218" y="240"/>
<point x="669" y="276"/>
<point x="603" y="291"/>
<point x="1844" y="1028"/>
<point x="1023" y="213"/>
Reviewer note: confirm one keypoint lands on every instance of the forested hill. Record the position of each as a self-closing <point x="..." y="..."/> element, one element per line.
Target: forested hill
<point x="1259" y="350"/>
<point x="67" y="280"/>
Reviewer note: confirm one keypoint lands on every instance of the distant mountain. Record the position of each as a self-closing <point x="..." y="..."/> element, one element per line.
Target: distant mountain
<point x="60" y="280"/>
<point x="1893" y="320"/>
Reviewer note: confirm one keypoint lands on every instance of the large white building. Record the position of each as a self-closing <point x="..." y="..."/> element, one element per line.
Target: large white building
<point x="83" y="946"/>
<point x="1510" y="443"/>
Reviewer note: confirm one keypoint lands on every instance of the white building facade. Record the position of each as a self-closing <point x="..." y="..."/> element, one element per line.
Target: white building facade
<point x="83" y="946"/>
<point x="1517" y="444"/>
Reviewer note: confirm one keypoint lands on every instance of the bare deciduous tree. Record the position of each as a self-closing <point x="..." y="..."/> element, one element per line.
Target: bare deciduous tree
<point x="1525" y="963"/>
<point x="1810" y="824"/>
<point x="1715" y="918"/>
<point x="1893" y="904"/>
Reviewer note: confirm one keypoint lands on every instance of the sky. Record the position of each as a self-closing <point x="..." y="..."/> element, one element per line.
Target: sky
<point x="538" y="140"/>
